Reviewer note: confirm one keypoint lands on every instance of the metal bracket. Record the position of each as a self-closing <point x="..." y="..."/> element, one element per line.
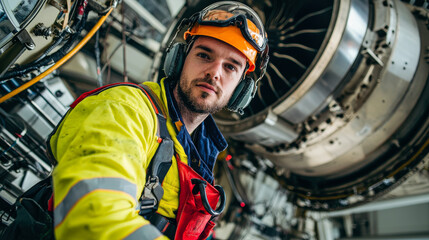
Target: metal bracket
<point x="25" y="39"/>
<point x="369" y="53"/>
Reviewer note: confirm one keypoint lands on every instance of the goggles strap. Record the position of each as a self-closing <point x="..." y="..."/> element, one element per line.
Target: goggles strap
<point x="245" y="70"/>
<point x="184" y="22"/>
<point x="189" y="44"/>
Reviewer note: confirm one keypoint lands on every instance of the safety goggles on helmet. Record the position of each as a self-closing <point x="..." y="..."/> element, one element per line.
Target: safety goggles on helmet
<point x="228" y="13"/>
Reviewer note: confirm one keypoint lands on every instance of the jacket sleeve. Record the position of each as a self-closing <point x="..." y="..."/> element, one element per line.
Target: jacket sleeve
<point x="103" y="147"/>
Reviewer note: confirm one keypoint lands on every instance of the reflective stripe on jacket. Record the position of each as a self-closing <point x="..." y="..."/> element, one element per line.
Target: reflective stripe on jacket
<point x="103" y="147"/>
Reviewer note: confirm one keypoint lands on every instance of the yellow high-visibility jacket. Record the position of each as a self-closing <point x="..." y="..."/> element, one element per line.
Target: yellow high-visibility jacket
<point x="103" y="147"/>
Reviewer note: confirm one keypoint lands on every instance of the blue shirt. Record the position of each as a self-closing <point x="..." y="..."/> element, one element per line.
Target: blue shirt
<point x="210" y="142"/>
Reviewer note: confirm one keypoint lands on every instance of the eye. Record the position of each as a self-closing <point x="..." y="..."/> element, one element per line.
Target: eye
<point x="203" y="55"/>
<point x="231" y="67"/>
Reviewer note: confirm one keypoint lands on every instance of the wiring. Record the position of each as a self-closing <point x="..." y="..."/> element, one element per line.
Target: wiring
<point x="110" y="57"/>
<point x="60" y="62"/>
<point x="56" y="43"/>
<point x="124" y="43"/>
<point x="10" y="147"/>
<point x="104" y="45"/>
<point x="45" y="60"/>
<point x="18" y="136"/>
<point x="97" y="58"/>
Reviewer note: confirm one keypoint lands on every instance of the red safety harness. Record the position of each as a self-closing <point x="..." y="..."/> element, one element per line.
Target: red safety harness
<point x="197" y="200"/>
<point x="197" y="197"/>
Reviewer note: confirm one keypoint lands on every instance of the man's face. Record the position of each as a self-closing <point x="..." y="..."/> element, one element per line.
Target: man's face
<point x="210" y="74"/>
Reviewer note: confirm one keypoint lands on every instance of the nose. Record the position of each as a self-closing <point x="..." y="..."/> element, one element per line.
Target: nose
<point x="214" y="70"/>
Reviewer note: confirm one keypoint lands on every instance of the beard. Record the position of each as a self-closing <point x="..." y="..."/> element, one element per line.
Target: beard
<point x="191" y="102"/>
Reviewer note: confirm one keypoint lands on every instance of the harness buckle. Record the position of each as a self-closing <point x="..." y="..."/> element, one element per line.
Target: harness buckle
<point x="151" y="196"/>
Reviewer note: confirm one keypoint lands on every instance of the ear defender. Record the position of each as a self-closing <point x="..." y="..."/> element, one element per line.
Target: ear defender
<point x="242" y="95"/>
<point x="246" y="89"/>
<point x="174" y="60"/>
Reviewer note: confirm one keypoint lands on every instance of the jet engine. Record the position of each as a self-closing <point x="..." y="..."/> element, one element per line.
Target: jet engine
<point x="342" y="112"/>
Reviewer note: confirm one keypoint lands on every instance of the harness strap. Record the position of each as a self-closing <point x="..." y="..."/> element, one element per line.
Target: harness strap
<point x="165" y="225"/>
<point x="160" y="163"/>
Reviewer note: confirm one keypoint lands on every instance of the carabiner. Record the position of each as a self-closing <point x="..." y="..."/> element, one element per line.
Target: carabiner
<point x="202" y="189"/>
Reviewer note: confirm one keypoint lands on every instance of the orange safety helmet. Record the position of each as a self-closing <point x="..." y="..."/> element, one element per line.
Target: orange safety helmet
<point x="233" y="23"/>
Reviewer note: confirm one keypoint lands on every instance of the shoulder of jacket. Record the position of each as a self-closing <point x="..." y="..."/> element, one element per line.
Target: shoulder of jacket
<point x="155" y="87"/>
<point x="123" y="94"/>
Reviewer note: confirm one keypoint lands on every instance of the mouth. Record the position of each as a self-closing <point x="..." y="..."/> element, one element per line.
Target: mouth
<point x="207" y="87"/>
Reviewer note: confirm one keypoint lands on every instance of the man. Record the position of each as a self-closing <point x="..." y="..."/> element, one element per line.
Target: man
<point x="104" y="145"/>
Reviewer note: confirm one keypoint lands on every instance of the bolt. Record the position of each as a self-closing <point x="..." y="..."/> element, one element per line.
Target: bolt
<point x="59" y="93"/>
<point x="29" y="45"/>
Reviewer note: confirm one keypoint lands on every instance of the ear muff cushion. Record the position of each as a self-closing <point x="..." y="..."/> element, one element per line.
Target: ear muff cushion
<point x="174" y="60"/>
<point x="242" y="95"/>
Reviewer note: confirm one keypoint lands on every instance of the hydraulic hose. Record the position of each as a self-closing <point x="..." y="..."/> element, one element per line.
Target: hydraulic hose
<point x="60" y="62"/>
